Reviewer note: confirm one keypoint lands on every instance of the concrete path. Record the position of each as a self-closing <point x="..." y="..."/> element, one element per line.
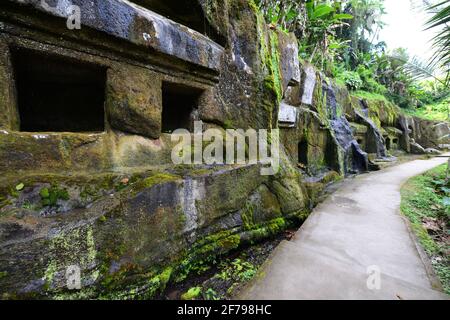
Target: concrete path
<point x="357" y="229"/>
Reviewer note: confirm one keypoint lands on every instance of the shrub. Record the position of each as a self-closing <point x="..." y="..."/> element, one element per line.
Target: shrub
<point x="351" y="79"/>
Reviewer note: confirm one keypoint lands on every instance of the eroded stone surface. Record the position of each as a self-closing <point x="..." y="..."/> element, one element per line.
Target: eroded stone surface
<point x="287" y="116"/>
<point x="289" y="62"/>
<point x="123" y="19"/>
<point x="309" y="83"/>
<point x="135" y="101"/>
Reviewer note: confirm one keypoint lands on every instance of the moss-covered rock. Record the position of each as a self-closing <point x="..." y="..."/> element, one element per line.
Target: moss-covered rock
<point x="140" y="233"/>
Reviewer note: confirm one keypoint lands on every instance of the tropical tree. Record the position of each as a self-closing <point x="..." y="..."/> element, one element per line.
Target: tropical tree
<point x="289" y="15"/>
<point x="319" y="42"/>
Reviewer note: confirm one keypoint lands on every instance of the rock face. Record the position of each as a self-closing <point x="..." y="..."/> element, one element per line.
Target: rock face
<point x="124" y="20"/>
<point x="108" y="200"/>
<point x="309" y="83"/>
<point x="135" y="102"/>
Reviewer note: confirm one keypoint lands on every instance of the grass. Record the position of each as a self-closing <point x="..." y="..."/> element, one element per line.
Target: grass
<point x="425" y="201"/>
<point x="438" y="111"/>
<point x="369" y="95"/>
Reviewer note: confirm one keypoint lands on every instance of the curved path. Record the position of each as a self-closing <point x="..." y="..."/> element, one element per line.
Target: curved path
<point x="355" y="233"/>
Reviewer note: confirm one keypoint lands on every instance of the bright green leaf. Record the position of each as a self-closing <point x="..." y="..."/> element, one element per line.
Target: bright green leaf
<point x="45" y="193"/>
<point x="343" y="16"/>
<point x="321" y="11"/>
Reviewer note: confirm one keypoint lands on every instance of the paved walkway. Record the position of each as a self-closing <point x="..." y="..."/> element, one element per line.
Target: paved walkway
<point x="358" y="227"/>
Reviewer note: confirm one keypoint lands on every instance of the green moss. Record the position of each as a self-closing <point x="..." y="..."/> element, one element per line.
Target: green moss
<point x="270" y="58"/>
<point x="332" y="177"/>
<point x="253" y="6"/>
<point x="247" y="215"/>
<point x="370" y="96"/>
<point x="3" y="274"/>
<point x="320" y="102"/>
<point x="228" y="124"/>
<point x="50" y="274"/>
<point x="204" y="252"/>
<point x="274" y="65"/>
<point x="268" y="229"/>
<point x="159" y="282"/>
<point x="156" y="179"/>
<point x="381" y="111"/>
<point x="165" y="275"/>
<point x="13" y="192"/>
<point x="192" y="294"/>
<point x="222" y="241"/>
<point x="438" y="111"/>
<point x="69" y="247"/>
<point x="147" y="284"/>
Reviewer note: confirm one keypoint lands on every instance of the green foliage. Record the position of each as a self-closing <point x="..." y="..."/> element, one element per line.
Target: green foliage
<point x="50" y="196"/>
<point x="369" y="95"/>
<point x="27" y="205"/>
<point x="237" y="270"/>
<point x="436" y="111"/>
<point x="314" y="22"/>
<point x="424" y="199"/>
<point x="351" y="79"/>
<point x="339" y="37"/>
<point x="441" y="42"/>
<point x="192" y="294"/>
<point x="288" y="15"/>
<point x="211" y="294"/>
<point x="319" y="42"/>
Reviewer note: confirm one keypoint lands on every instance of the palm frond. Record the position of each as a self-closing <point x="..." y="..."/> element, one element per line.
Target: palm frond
<point x="417" y="69"/>
<point x="441" y="42"/>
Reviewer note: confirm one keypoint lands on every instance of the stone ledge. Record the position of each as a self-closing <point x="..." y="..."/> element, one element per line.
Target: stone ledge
<point x="125" y="20"/>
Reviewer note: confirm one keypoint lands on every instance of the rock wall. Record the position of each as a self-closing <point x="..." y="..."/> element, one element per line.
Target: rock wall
<point x="111" y="202"/>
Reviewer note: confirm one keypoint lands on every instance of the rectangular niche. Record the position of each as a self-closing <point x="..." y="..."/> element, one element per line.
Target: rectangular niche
<point x="180" y="106"/>
<point x="58" y="94"/>
<point x="303" y="153"/>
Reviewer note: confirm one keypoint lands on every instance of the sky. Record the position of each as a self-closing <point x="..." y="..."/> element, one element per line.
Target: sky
<point x="405" y="28"/>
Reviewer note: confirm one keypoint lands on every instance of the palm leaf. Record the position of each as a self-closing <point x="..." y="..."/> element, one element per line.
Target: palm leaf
<point x="416" y="69"/>
<point x="441" y="42"/>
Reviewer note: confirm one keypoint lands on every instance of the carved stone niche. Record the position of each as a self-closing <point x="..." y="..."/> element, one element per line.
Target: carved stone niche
<point x="392" y="137"/>
<point x="100" y="88"/>
<point x="140" y="26"/>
